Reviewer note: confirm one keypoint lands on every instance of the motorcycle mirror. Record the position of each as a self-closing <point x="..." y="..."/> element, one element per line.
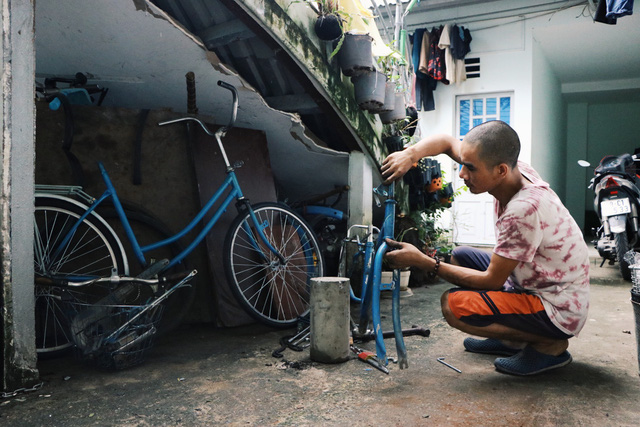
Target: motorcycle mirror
<point x="584" y="163"/>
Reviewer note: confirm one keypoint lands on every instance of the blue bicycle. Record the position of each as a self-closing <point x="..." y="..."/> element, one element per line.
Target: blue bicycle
<point x="371" y="285"/>
<point x="270" y="254"/>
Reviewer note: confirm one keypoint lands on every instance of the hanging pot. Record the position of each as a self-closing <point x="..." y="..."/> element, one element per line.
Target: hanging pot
<point x="355" y="55"/>
<point x="398" y="112"/>
<point x="389" y="98"/>
<point x="393" y="143"/>
<point x="369" y="89"/>
<point x="328" y="27"/>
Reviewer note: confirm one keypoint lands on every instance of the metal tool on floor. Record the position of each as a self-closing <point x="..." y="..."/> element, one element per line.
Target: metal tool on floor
<point x="300" y="340"/>
<point x="441" y="360"/>
<point x="370" y="358"/>
<point x="297" y="342"/>
<point x="370" y="335"/>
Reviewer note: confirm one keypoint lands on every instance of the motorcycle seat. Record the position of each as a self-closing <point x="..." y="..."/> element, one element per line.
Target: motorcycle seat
<point x="622" y="164"/>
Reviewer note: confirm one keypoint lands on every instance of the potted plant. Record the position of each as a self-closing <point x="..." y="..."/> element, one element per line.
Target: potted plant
<point x="354" y="53"/>
<point x="330" y="20"/>
<point x="397" y="113"/>
<point x="369" y="89"/>
<point x="387" y="65"/>
<point x="394" y="139"/>
<point x="420" y="176"/>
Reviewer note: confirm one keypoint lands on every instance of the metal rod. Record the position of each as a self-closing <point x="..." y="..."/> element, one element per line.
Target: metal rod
<point x="441" y="360"/>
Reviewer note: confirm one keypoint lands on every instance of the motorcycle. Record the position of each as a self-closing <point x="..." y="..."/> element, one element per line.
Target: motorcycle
<point x="616" y="186"/>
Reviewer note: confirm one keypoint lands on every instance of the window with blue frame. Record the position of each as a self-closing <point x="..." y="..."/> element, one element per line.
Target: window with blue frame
<point x="473" y="110"/>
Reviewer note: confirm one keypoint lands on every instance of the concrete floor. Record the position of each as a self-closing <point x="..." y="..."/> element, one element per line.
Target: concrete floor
<point x="206" y="376"/>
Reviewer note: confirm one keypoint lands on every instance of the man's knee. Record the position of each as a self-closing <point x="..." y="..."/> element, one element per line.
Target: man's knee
<point x="454" y="259"/>
<point x="446" y="309"/>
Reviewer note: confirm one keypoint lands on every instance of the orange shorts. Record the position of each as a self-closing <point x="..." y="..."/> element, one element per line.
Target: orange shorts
<point x="520" y="311"/>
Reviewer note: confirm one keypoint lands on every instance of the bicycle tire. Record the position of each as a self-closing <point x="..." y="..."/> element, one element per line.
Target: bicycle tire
<point x="273" y="294"/>
<point x="94" y="250"/>
<point x="145" y="225"/>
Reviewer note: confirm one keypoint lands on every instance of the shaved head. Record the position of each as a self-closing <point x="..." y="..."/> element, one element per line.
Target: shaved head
<point x="497" y="143"/>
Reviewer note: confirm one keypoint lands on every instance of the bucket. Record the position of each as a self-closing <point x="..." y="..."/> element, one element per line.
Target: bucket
<point x="635" y="301"/>
<point x="329" y="317"/>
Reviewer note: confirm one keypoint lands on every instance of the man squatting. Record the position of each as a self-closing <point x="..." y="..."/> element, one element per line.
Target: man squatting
<point x="531" y="294"/>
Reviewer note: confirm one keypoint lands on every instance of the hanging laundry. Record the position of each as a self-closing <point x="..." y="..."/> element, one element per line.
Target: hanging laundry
<point x="424" y="93"/>
<point x="436" y="67"/>
<point x="423" y="83"/>
<point x="455" y="68"/>
<point x="416" y="41"/>
<point x="608" y="11"/>
<point x="460" y="42"/>
<point x="424" y="53"/>
<point x="619" y="8"/>
<point x="444" y="43"/>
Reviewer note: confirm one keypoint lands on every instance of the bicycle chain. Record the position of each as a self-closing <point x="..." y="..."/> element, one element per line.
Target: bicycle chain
<point x="7" y="394"/>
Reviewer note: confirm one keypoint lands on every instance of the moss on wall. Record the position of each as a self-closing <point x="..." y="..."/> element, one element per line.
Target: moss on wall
<point x="295" y="32"/>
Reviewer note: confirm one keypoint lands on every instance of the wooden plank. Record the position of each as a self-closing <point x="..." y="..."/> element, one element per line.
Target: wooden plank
<point x="257" y="184"/>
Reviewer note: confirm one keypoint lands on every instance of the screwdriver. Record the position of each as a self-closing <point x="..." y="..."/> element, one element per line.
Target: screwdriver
<point x="370" y="358"/>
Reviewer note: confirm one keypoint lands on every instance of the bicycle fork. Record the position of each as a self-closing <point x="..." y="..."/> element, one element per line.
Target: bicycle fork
<point x="260" y="227"/>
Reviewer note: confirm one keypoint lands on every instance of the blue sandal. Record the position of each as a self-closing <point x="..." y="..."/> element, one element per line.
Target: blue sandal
<point x="489" y="346"/>
<point x="531" y="362"/>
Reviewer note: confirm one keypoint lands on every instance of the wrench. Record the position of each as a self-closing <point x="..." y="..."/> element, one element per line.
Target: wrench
<point x="441" y="360"/>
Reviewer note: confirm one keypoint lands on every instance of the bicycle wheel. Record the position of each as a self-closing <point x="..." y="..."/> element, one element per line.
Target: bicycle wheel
<point x="93" y="251"/>
<point x="149" y="229"/>
<point x="272" y="292"/>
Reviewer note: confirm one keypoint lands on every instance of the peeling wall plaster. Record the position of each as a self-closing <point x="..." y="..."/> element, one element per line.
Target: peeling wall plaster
<point x="142" y="56"/>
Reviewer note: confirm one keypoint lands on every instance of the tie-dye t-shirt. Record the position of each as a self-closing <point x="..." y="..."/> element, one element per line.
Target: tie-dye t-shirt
<point x="536" y="229"/>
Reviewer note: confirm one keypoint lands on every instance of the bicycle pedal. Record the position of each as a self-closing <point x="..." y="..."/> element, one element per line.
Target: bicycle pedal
<point x="153" y="269"/>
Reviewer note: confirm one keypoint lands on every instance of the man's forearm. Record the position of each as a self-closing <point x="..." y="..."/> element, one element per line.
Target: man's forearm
<point x="462" y="276"/>
<point x="434" y="145"/>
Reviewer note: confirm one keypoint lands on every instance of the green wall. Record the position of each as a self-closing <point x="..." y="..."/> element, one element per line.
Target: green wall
<point x="596" y="129"/>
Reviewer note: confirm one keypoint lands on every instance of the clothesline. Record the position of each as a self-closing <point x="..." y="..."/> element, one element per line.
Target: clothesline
<point x="493" y="16"/>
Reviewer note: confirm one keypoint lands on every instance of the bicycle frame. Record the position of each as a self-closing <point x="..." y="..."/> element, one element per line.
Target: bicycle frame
<point x="371" y="280"/>
<point x="230" y="184"/>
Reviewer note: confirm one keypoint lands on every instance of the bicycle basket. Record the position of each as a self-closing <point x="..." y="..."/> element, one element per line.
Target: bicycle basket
<point x="112" y="336"/>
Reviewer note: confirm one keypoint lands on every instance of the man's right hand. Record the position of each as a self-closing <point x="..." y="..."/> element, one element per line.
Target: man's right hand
<point x="396" y="165"/>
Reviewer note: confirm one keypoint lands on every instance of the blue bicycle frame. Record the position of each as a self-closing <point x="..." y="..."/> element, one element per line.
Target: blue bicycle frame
<point x="372" y="286"/>
<point x="230" y="184"/>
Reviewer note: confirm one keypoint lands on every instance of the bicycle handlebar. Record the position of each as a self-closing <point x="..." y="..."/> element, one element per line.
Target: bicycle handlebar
<point x="222" y="130"/>
<point x="186" y="119"/>
<point x="234" y="108"/>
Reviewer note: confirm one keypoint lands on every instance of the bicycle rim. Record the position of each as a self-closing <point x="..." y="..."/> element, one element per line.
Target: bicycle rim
<point x="272" y="292"/>
<point x="93" y="251"/>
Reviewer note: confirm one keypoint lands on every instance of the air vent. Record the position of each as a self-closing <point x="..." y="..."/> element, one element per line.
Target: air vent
<point x="472" y="67"/>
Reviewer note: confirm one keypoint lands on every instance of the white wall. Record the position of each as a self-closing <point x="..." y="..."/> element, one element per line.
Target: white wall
<point x="548" y="149"/>
<point x="553" y="136"/>
<point x="505" y="65"/>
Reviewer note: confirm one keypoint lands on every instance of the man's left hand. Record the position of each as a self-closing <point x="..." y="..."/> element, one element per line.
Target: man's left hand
<point x="402" y="255"/>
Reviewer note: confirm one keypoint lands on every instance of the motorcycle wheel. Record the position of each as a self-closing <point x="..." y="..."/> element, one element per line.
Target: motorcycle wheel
<point x="622" y="247"/>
